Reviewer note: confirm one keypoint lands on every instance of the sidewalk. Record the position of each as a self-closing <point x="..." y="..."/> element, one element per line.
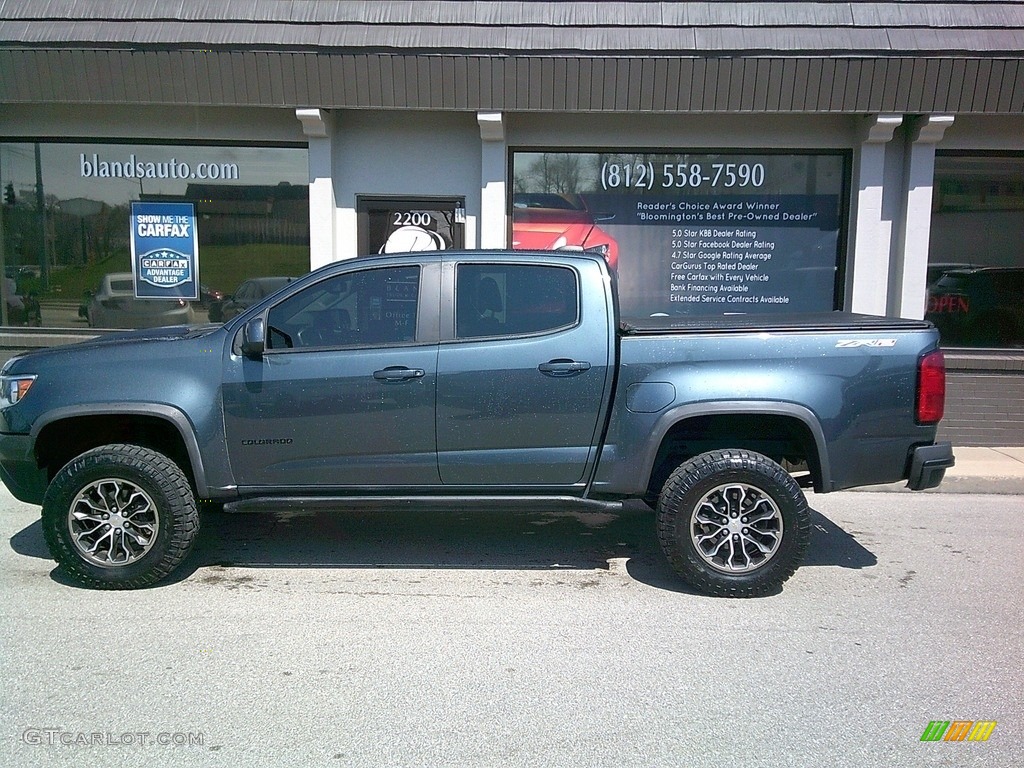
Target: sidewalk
<point x="978" y="470"/>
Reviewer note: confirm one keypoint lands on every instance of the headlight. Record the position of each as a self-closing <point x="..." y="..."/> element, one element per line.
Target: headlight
<point x="14" y="388"/>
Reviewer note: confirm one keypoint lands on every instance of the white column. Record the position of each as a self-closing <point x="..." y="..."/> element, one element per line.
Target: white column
<point x="872" y="231"/>
<point x="318" y="127"/>
<point x="493" y="181"/>
<point x="911" y="277"/>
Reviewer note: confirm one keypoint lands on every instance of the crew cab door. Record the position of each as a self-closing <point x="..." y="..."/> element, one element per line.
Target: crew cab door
<point x="344" y="393"/>
<point x="523" y="373"/>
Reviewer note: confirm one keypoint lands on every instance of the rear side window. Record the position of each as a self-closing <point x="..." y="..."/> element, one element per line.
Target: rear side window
<point x="514" y="299"/>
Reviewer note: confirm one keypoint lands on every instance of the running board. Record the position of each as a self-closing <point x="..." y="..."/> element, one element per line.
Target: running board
<point x="420" y="504"/>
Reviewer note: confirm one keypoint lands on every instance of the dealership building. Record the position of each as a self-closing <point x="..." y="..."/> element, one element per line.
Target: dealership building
<point x="747" y="157"/>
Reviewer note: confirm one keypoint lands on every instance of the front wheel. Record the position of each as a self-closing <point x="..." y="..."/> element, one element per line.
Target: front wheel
<point x="733" y="523"/>
<point x="120" y="517"/>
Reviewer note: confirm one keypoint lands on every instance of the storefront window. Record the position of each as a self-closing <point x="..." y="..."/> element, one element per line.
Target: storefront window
<point x="976" y="253"/>
<point x="66" y="236"/>
<point x="687" y="233"/>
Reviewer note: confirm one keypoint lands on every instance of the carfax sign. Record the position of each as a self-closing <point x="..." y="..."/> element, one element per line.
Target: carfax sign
<point x="165" y="251"/>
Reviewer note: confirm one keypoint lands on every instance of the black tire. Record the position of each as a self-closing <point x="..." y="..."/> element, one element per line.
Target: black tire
<point x="702" y="507"/>
<point x="150" y="506"/>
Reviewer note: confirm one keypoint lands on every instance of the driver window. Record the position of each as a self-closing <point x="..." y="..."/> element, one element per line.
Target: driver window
<point x="375" y="307"/>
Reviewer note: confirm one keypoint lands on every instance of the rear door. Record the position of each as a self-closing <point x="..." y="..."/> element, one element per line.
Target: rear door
<point x="523" y="371"/>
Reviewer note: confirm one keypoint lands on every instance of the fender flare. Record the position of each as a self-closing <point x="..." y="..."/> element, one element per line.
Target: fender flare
<point x="162" y="411"/>
<point x="801" y="413"/>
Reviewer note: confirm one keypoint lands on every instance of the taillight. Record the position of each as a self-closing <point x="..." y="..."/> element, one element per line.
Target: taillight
<point x="931" y="387"/>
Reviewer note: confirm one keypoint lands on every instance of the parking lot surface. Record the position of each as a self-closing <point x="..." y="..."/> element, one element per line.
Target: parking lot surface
<point x="547" y="639"/>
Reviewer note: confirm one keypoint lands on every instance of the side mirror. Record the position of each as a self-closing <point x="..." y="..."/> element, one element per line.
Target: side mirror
<point x="254" y="337"/>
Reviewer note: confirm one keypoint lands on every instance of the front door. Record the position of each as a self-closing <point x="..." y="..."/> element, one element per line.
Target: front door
<point x="344" y="395"/>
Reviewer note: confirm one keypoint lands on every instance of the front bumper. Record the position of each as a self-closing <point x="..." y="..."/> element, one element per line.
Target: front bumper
<point x="928" y="465"/>
<point x="18" y="469"/>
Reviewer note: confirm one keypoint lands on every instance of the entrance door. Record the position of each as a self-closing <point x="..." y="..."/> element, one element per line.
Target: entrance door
<point x="402" y="224"/>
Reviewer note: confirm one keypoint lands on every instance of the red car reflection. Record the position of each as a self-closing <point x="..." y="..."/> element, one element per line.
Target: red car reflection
<point x="549" y="222"/>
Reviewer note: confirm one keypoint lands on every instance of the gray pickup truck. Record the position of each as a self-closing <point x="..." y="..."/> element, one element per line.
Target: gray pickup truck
<point x="460" y="380"/>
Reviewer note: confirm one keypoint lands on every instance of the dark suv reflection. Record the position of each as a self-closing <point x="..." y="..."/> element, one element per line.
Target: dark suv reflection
<point x="248" y="293"/>
<point x="979" y="307"/>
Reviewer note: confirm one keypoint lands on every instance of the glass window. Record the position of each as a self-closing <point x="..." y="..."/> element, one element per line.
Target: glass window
<point x="693" y="233"/>
<point x="513" y="299"/>
<point x="401" y="224"/>
<point x="976" y="251"/>
<point x="66" y="207"/>
<point x="376" y="307"/>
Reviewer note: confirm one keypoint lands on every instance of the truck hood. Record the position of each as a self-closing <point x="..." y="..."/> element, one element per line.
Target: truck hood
<point x="123" y="341"/>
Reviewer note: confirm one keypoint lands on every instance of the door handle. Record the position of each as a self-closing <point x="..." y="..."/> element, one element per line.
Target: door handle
<point x="394" y="373"/>
<point x="562" y="367"/>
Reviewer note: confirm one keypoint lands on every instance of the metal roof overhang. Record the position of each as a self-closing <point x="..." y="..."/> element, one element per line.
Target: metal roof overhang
<point x="769" y="82"/>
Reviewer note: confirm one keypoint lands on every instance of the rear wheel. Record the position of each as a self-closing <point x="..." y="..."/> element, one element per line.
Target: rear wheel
<point x="120" y="517"/>
<point x="733" y="523"/>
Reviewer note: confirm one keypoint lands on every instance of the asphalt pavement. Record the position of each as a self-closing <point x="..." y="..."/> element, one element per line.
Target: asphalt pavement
<point x="541" y="639"/>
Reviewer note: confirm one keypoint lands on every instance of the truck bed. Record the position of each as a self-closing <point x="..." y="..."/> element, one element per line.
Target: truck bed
<point x="806" y="323"/>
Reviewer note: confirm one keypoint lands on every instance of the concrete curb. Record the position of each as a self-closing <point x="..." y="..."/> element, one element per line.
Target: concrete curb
<point x="997" y="471"/>
<point x="998" y="486"/>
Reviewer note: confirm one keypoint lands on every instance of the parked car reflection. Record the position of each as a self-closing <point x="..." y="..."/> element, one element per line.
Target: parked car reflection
<point x="209" y="296"/>
<point x="937" y="269"/>
<point x="114" y="305"/>
<point x="549" y="222"/>
<point x="979" y="307"/>
<point x="248" y="293"/>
